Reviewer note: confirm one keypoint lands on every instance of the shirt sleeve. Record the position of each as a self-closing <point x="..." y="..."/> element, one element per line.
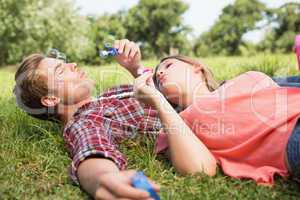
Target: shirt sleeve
<point x="86" y="139"/>
<point x="150" y="123"/>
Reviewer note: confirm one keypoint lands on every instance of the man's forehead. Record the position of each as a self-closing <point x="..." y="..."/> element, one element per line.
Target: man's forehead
<point x="48" y="63"/>
<point x="51" y="62"/>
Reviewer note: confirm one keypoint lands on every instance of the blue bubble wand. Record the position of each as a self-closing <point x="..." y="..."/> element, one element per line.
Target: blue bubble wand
<point x="140" y="181"/>
<point x="108" y="51"/>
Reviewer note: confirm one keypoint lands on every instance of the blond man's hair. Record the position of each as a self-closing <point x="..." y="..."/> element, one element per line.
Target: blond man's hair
<point x="31" y="87"/>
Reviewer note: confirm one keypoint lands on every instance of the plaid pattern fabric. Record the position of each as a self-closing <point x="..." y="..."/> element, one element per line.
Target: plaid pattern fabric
<point x="99" y="126"/>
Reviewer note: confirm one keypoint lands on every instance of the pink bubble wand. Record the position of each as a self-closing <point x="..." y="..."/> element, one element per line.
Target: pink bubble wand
<point x="297" y="49"/>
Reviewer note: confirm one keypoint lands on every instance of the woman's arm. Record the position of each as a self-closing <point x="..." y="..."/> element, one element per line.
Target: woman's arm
<point x="188" y="154"/>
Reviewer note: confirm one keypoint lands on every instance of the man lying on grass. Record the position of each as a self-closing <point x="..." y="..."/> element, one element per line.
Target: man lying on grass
<point x="50" y="89"/>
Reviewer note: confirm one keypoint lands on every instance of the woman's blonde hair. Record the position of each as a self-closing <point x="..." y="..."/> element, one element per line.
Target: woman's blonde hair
<point x="208" y="76"/>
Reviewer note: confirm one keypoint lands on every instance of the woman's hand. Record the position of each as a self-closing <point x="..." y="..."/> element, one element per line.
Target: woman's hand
<point x="145" y="91"/>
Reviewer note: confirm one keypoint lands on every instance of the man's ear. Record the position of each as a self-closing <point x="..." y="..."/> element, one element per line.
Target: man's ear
<point x="50" y="101"/>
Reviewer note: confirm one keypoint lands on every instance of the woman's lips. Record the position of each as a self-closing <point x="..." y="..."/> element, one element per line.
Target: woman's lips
<point x="161" y="79"/>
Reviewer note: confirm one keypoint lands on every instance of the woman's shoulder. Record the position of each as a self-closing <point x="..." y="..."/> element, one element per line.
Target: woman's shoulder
<point x="253" y="78"/>
<point x="256" y="75"/>
<point x="245" y="83"/>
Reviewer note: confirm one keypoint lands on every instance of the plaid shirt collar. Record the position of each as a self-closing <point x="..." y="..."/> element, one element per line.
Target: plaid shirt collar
<point x="114" y="92"/>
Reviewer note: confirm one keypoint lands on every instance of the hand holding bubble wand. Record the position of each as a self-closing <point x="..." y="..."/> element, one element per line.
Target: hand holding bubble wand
<point x="140" y="181"/>
<point x="110" y="51"/>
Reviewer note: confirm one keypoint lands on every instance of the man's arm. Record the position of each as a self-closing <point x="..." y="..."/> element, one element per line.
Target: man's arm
<point x="129" y="56"/>
<point x="89" y="172"/>
<point x="96" y="162"/>
<point x="101" y="178"/>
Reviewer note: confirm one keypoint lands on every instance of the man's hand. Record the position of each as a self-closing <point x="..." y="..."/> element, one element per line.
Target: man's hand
<point x="101" y="178"/>
<point x="129" y="55"/>
<point x="117" y="186"/>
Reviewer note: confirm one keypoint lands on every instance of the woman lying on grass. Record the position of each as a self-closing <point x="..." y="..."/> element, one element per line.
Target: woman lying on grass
<point x="248" y="126"/>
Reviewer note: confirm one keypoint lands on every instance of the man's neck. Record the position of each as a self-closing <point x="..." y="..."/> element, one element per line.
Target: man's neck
<point x="67" y="111"/>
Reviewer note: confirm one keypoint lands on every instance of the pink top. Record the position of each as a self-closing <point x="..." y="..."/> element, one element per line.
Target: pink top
<point x="245" y="124"/>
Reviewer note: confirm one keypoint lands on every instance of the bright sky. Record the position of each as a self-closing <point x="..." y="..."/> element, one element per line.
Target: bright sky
<point x="200" y="16"/>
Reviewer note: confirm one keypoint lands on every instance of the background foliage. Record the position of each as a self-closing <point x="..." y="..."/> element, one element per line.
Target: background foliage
<point x="28" y="26"/>
<point x="226" y="35"/>
<point x="158" y="25"/>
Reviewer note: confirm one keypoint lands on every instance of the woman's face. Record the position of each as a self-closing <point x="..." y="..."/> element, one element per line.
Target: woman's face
<point x="177" y="79"/>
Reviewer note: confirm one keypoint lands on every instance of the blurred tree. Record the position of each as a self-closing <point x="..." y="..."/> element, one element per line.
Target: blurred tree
<point x="225" y="36"/>
<point x="158" y="26"/>
<point x="105" y="28"/>
<point x="285" y="24"/>
<point x="28" y="26"/>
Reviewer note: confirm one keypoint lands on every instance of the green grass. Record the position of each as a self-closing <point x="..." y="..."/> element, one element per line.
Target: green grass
<point x="34" y="163"/>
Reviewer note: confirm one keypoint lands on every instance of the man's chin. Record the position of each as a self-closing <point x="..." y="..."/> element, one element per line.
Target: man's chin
<point x="90" y="82"/>
<point x="86" y="78"/>
<point x="93" y="82"/>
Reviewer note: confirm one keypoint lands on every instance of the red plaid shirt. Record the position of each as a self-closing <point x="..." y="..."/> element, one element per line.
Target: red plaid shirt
<point x="99" y="126"/>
